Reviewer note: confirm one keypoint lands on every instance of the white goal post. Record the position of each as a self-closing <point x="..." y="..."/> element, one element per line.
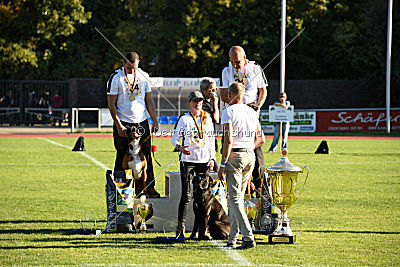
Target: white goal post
<point x="75" y="117"/>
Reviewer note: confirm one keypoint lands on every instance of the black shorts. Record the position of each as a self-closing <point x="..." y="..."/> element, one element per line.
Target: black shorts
<point x="142" y="128"/>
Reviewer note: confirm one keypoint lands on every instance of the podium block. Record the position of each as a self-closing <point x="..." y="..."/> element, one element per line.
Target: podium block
<point x="165" y="216"/>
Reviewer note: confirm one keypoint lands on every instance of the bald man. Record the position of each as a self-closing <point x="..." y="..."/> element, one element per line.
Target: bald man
<point x="251" y="75"/>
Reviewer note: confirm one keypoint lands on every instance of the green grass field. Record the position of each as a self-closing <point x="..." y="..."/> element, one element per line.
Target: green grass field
<point x="348" y="213"/>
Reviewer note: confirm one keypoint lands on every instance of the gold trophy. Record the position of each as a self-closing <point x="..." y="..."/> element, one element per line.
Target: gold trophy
<point x="283" y="176"/>
<point x="251" y="209"/>
<point x="143" y="210"/>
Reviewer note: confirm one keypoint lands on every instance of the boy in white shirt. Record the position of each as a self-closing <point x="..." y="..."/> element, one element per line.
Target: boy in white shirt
<point x="242" y="134"/>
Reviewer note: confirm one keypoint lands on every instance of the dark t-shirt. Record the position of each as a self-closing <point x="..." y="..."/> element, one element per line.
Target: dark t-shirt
<point x="207" y="107"/>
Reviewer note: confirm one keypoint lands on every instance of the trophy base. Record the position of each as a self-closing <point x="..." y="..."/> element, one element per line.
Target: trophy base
<point x="282" y="239"/>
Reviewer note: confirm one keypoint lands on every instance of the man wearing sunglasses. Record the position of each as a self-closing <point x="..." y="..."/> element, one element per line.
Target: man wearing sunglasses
<point x="208" y="88"/>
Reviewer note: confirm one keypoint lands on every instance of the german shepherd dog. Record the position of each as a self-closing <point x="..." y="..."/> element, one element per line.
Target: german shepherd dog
<point x="208" y="211"/>
<point x="134" y="159"/>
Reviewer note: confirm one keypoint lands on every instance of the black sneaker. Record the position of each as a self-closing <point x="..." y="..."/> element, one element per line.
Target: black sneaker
<point x="153" y="193"/>
<point x="247" y="244"/>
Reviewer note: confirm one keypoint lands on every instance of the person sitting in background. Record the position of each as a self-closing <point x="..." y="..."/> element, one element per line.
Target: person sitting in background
<point x="56" y="100"/>
<point x="277" y="128"/>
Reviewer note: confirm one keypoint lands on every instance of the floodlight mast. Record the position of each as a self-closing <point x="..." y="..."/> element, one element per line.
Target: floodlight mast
<point x="283" y="40"/>
<point x="282" y="70"/>
<point x="388" y="62"/>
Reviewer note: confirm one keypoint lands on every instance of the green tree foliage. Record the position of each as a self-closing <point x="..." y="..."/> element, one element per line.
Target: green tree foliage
<point x="32" y="31"/>
<point x="57" y="39"/>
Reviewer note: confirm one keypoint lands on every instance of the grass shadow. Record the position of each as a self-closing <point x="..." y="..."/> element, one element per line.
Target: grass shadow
<point x="36" y="231"/>
<point x="44" y="221"/>
<point x="350" y="232"/>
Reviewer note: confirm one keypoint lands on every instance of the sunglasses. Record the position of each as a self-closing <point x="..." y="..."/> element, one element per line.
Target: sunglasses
<point x="213" y="89"/>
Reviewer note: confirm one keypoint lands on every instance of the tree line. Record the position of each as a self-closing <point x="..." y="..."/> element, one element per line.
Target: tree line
<point x="56" y="40"/>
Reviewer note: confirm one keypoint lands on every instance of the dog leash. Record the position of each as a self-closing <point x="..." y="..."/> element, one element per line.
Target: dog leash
<point x="154" y="157"/>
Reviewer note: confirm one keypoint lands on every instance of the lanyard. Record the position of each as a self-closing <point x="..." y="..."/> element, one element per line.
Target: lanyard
<point x="131" y="86"/>
<point x="197" y="126"/>
<point x="244" y="76"/>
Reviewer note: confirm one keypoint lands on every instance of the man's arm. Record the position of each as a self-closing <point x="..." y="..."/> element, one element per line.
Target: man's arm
<point x="260" y="138"/>
<point x="262" y="95"/>
<point x="152" y="111"/>
<point x="216" y="109"/>
<point x="284" y="105"/>
<point x="112" y="99"/>
<point x="223" y="89"/>
<point x="226" y="149"/>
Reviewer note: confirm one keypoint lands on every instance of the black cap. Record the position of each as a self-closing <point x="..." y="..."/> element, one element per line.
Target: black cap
<point x="195" y="95"/>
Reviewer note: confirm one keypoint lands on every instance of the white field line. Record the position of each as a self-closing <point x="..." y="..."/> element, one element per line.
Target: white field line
<point x="232" y="253"/>
<point x="45" y="164"/>
<point x="80" y="152"/>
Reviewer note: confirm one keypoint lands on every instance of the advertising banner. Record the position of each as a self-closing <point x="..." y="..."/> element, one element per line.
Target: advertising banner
<point x="303" y="122"/>
<point x="192" y="83"/>
<point x="356" y="120"/>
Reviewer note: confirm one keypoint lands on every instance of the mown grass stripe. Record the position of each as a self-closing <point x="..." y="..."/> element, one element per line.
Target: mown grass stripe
<point x="43" y="164"/>
<point x="233" y="254"/>
<point x="81" y="152"/>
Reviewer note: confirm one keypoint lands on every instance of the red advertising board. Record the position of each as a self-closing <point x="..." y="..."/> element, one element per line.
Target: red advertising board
<point x="356" y="120"/>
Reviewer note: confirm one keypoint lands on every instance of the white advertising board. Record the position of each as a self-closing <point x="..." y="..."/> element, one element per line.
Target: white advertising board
<point x="303" y="122"/>
<point x="172" y="82"/>
<point x="278" y="113"/>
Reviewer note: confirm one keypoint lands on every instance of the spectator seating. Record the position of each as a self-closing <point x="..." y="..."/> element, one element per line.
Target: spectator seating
<point x="173" y="120"/>
<point x="151" y="121"/>
<point x="163" y="120"/>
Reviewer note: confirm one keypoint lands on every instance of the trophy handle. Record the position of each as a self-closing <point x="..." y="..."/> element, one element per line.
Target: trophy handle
<point x="305" y="181"/>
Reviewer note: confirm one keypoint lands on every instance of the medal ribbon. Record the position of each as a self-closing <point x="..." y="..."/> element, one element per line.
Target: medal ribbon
<point x="244" y="76"/>
<point x="131" y="86"/>
<point x="201" y="135"/>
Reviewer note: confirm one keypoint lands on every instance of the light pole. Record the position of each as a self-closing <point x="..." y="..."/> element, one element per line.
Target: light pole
<point x="283" y="40"/>
<point x="388" y="59"/>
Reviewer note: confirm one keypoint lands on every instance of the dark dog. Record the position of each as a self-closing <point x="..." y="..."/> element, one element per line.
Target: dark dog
<point x="134" y="159"/>
<point x="208" y="211"/>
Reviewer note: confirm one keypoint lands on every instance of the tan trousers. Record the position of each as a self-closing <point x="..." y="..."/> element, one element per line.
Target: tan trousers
<point x="238" y="171"/>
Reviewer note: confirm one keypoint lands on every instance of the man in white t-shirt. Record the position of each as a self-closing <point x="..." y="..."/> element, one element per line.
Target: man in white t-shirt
<point x="242" y="134"/>
<point x="129" y="96"/>
<point x="251" y="75"/>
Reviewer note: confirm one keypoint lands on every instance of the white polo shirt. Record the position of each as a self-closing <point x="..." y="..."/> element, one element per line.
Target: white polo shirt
<point x="132" y="111"/>
<point x="244" y="120"/>
<point x="254" y="79"/>
<point x="202" y="150"/>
